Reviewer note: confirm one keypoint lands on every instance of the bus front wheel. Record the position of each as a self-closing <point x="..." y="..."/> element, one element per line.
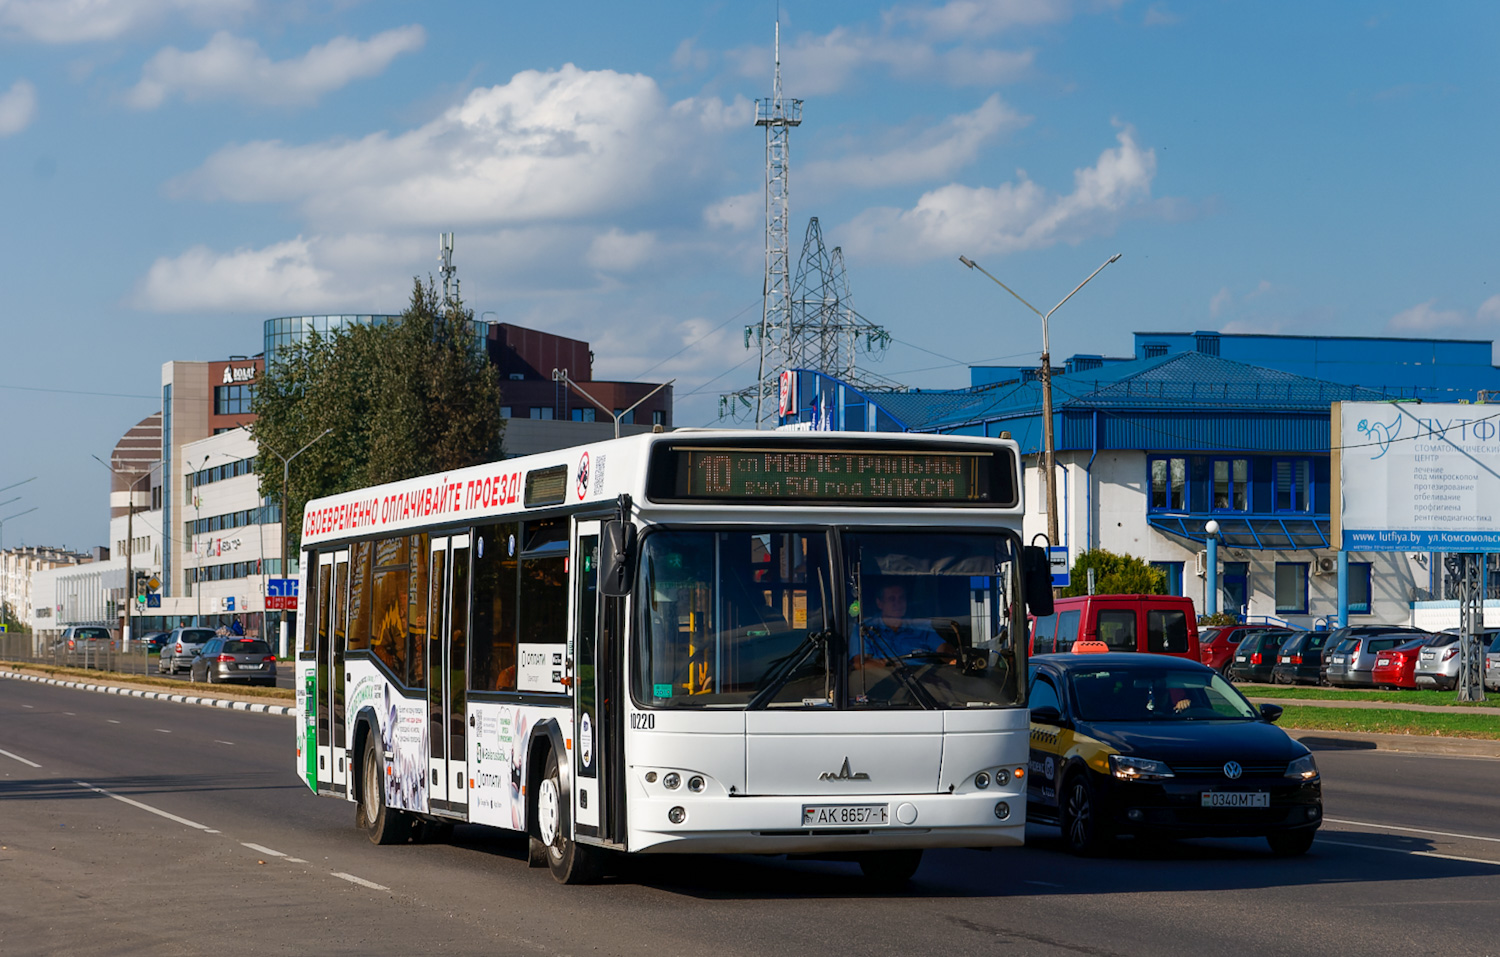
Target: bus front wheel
<point x="890" y="869"/>
<point x="569" y="862"/>
<point x="383" y="825"/>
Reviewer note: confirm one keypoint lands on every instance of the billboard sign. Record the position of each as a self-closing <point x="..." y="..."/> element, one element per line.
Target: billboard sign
<point x="1416" y="477"/>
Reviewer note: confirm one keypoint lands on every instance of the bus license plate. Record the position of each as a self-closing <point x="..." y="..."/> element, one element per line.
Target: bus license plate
<point x="1236" y="799"/>
<point x="845" y="815"/>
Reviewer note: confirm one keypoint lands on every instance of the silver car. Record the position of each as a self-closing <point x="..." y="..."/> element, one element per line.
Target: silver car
<point x="233" y="658"/>
<point x="1353" y="661"/>
<point x="1437" y="665"/>
<point x="182" y="644"/>
<point x="1492" y="666"/>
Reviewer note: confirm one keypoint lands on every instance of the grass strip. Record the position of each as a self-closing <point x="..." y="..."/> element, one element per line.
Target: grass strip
<point x="1381" y="721"/>
<point x="1417" y="696"/>
<point x="98" y="676"/>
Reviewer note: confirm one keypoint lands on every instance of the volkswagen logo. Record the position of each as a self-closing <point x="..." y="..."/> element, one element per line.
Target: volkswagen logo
<point x="1232" y="770"/>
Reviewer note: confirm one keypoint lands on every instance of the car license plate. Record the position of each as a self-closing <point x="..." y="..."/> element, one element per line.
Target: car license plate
<point x="845" y="815"/>
<point x="249" y="667"/>
<point x="1286" y="659"/>
<point x="1428" y="655"/>
<point x="1236" y="799"/>
<point x="1240" y="658"/>
<point x="1338" y="659"/>
<point x="1380" y="662"/>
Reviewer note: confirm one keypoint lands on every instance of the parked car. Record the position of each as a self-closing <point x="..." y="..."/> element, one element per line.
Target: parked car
<point x="1300" y="660"/>
<point x="1256" y="656"/>
<point x="1492" y="666"/>
<point x="1217" y="651"/>
<point x="1161" y="624"/>
<point x="181" y="645"/>
<point x="1437" y="667"/>
<point x="152" y="642"/>
<point x="1353" y="662"/>
<point x="82" y="644"/>
<point x="1340" y="641"/>
<point x="233" y="658"/>
<point x="1162" y="747"/>
<point x="1397" y="667"/>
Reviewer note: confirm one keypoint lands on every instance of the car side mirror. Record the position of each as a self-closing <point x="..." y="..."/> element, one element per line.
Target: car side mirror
<point x="616" y="558"/>
<point x="1036" y="576"/>
<point x="1048" y="715"/>
<point x="1270" y="713"/>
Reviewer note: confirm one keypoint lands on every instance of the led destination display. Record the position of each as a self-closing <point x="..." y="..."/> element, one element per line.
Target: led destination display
<point x="846" y="476"/>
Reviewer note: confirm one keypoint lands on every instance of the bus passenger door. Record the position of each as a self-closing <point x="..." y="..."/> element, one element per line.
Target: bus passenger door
<point x="318" y="624"/>
<point x="338" y="632"/>
<point x="595" y="735"/>
<point x="447" y="663"/>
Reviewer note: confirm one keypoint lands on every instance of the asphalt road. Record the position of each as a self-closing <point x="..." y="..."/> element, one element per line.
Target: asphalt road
<point x="158" y="828"/>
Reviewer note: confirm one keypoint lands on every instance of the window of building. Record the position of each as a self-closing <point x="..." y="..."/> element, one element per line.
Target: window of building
<point x="659" y="417"/>
<point x="1173" y="571"/>
<point x="1359" y="588"/>
<point x="1155" y="350"/>
<point x="541" y="412"/>
<point x="1169" y="487"/>
<point x="1291" y="588"/>
<point x="626" y="418"/>
<point x="234" y="399"/>
<point x="505" y="412"/>
<point x="1294" y="492"/>
<point x="583" y="415"/>
<point x="1231" y="485"/>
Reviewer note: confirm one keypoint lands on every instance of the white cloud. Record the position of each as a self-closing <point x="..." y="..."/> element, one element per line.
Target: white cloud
<point x="232" y="67"/>
<point x="1012" y="216"/>
<point x="983" y="18"/>
<point x="617" y="251"/>
<point x="17" y="107"/>
<point x="736" y="212"/>
<point x="266" y="280"/>
<point x="564" y="144"/>
<point x="924" y="154"/>
<point x="1426" y="319"/>
<point x="1158" y="15"/>
<point x="1221" y="301"/>
<point x="83" y="21"/>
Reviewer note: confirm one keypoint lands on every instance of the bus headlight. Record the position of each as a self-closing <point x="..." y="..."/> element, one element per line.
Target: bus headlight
<point x="695" y="783"/>
<point x="672" y="780"/>
<point x="677" y="815"/>
<point x="1002" y="810"/>
<point x="1002" y="778"/>
<point x="981" y="780"/>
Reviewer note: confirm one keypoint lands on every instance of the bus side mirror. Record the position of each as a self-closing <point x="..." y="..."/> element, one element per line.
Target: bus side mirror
<point x="616" y="559"/>
<point x="1036" y="572"/>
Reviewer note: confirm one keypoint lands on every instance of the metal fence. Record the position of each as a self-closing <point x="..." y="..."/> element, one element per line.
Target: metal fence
<point x="47" y="649"/>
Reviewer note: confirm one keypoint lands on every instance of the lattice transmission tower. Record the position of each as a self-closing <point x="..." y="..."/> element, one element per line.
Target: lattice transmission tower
<point x="809" y="323"/>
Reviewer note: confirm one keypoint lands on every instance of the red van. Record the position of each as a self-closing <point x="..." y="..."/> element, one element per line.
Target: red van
<point x="1160" y="624"/>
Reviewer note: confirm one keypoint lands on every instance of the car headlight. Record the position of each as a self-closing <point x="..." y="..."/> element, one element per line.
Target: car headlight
<point x="1303" y="769"/>
<point x="1127" y="768"/>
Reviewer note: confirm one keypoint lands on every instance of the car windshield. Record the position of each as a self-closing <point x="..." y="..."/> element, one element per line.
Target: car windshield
<point x="1157" y="694"/>
<point x="746" y="619"/>
<point x="1385" y="644"/>
<point x="247" y="646"/>
<point x="196" y="635"/>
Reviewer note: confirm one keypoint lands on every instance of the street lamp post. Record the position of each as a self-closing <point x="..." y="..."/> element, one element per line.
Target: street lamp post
<point x="1049" y="443"/>
<point x="286" y="476"/>
<point x="125" y="634"/>
<point x="561" y="375"/>
<point x="1211" y="573"/>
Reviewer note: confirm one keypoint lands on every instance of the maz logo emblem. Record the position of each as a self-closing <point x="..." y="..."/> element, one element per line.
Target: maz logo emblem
<point x="843" y="774"/>
<point x="1232" y="771"/>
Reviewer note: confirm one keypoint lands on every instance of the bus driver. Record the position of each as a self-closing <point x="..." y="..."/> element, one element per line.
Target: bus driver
<point x="890" y="635"/>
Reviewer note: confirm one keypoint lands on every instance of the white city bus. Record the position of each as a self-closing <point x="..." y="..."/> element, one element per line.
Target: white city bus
<point x="697" y="641"/>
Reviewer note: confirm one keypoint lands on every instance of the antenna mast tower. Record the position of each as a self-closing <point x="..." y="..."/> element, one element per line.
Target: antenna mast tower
<point x="778" y="116"/>
<point x="449" y="271"/>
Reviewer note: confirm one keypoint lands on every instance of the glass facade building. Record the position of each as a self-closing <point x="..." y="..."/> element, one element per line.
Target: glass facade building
<point x="288" y="330"/>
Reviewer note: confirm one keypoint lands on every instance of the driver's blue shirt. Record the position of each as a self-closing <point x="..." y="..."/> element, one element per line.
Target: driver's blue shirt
<point x="909" y="637"/>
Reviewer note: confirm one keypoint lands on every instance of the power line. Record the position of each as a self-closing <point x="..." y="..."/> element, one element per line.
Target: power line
<point x="113" y="395"/>
<point x="710" y="332"/>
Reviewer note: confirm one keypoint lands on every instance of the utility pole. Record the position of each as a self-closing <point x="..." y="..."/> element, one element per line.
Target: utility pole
<point x="561" y="375"/>
<point x="286" y="564"/>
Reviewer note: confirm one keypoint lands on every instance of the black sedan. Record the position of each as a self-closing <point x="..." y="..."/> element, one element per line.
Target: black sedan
<point x="1162" y="747"/>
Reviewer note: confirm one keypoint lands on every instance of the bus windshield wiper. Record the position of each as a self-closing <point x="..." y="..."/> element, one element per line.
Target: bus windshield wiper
<point x="900" y="669"/>
<point x="814" y="641"/>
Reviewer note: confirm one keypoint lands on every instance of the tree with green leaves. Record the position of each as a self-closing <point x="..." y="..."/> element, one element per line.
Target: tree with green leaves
<point x="403" y="399"/>
<point x="1114" y="575"/>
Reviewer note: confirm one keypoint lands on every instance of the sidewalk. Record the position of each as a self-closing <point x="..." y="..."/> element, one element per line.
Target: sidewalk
<point x="1385" y="705"/>
<point x="1407" y="743"/>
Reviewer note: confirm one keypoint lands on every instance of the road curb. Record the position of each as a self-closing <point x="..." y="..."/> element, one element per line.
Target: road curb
<point x="1319" y="740"/>
<point x="225" y="703"/>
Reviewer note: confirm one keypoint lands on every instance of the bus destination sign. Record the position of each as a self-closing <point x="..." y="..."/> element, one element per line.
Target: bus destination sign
<point x="843" y="475"/>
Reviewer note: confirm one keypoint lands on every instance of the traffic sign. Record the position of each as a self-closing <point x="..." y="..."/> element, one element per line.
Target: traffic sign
<point x="1057" y="556"/>
<point x="153" y="601"/>
<point x="281" y="594"/>
<point x="153" y="583"/>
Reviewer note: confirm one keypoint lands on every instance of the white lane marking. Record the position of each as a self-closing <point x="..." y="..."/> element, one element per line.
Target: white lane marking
<point x="146" y="807"/>
<point x="217" y="741"/>
<point x="209" y="830"/>
<point x="164" y="730"/>
<point x="28" y="706"/>
<point x="360" y="881"/>
<point x="295" y="860"/>
<point x="264" y="850"/>
<point x="111" y="720"/>
<point x="71" y="713"/>
<point x="1397" y="850"/>
<point x="1413" y="830"/>
<point x="17" y="757"/>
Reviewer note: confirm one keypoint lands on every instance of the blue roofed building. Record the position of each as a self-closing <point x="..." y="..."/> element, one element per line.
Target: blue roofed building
<point x="1151" y="448"/>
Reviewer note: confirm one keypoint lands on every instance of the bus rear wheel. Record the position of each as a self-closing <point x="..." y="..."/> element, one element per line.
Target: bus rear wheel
<point x="890" y="869"/>
<point x="383" y="825"/>
<point x="569" y="862"/>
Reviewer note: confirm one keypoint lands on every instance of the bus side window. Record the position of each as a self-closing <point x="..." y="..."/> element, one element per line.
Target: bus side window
<point x="1067" y="629"/>
<point x="416" y="622"/>
<point x="359" y="597"/>
<point x="544" y="582"/>
<point x="388" y="611"/>
<point x="492" y="644"/>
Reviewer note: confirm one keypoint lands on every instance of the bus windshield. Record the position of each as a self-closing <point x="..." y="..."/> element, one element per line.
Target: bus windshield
<point x="761" y="619"/>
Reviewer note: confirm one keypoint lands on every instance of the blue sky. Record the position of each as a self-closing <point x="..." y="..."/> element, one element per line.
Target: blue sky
<point x="173" y="172"/>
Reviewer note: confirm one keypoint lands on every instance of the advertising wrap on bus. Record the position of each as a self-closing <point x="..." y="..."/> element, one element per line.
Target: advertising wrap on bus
<point x="708" y="642"/>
